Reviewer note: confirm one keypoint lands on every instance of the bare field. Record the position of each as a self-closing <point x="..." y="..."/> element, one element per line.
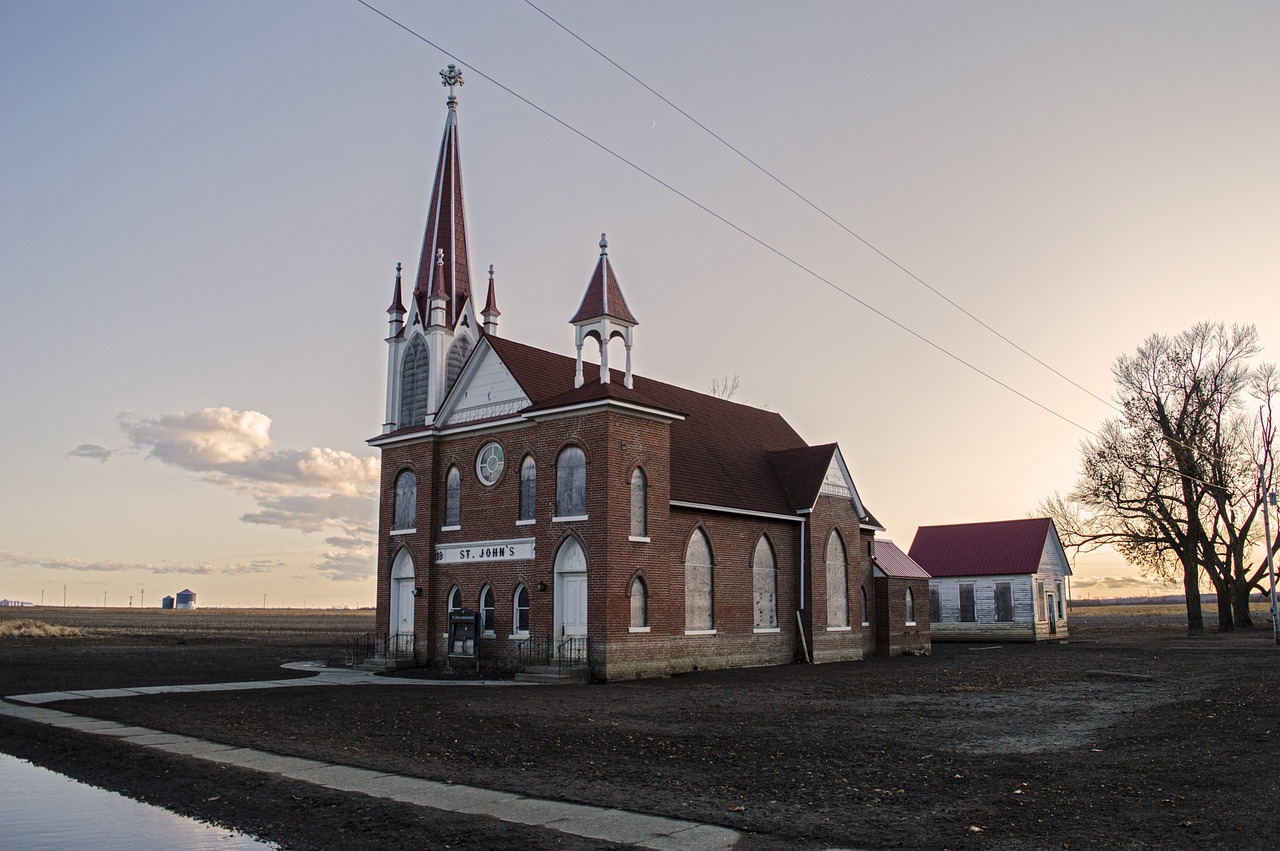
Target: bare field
<point x="274" y="626"/>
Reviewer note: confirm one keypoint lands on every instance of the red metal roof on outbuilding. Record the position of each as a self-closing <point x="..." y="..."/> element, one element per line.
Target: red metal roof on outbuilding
<point x="982" y="549"/>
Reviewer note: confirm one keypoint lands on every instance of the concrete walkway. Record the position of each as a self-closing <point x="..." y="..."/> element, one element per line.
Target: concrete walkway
<point x="602" y="823"/>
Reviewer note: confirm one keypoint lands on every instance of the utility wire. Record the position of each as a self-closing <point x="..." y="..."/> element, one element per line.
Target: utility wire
<point x="777" y="252"/>
<point x="818" y="209"/>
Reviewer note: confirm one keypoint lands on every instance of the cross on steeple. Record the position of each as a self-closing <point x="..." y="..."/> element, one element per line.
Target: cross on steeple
<point x="451" y="76"/>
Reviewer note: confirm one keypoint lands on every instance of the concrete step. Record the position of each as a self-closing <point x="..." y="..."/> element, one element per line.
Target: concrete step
<point x="553" y="675"/>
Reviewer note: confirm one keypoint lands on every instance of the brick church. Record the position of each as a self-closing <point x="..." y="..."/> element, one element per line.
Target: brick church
<point x="584" y="512"/>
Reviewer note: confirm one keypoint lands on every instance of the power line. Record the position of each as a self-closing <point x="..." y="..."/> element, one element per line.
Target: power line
<point x="768" y="247"/>
<point x="816" y="208"/>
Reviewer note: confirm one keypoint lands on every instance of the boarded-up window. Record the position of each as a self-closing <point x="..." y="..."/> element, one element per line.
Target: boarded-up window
<point x="486" y="609"/>
<point x="1004" y="602"/>
<point x="454" y="360"/>
<point x="639" y="505"/>
<point x="764" y="583"/>
<point x="837" y="582"/>
<point x="413" y="384"/>
<point x="520" y="613"/>
<point x="967" y="613"/>
<point x="1039" y="600"/>
<point x="911" y="608"/>
<point x="406" y="500"/>
<point x="453" y="497"/>
<point x="571" y="483"/>
<point x="528" y="487"/>
<point x="935" y="606"/>
<point x="1058" y="599"/>
<point x="639" y="603"/>
<point x="698" y="603"/>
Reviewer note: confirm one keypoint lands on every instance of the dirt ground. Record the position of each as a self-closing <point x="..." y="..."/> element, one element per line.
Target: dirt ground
<point x="1130" y="736"/>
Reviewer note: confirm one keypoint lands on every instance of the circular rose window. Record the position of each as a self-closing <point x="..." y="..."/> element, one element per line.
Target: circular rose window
<point x="489" y="463"/>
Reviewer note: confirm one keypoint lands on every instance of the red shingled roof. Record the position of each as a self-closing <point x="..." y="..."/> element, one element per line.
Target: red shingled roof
<point x="603" y="296"/>
<point x="982" y="549"/>
<point x="720" y="451"/>
<point x="896" y="564"/>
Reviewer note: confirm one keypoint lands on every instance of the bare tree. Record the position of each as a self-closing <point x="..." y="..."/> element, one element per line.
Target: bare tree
<point x="724" y="388"/>
<point x="1175" y="483"/>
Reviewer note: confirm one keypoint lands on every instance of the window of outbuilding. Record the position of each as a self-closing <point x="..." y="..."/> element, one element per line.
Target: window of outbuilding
<point x="911" y="608"/>
<point x="486" y="610"/>
<point x="639" y="604"/>
<point x="1004" y="602"/>
<point x="1059" y="602"/>
<point x="520" y="611"/>
<point x="837" y="582"/>
<point x="639" y="504"/>
<point x="968" y="614"/>
<point x="935" y="606"/>
<point x="406" y="500"/>
<point x="1040" y="600"/>
<point x="528" y="488"/>
<point x="413" y="384"/>
<point x="698" y="594"/>
<point x="764" y="582"/>
<point x="571" y="483"/>
<point x="453" y="498"/>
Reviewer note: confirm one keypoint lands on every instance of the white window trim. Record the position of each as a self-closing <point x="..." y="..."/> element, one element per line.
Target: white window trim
<point x="639" y="539"/>
<point x="450" y="528"/>
<point x="866" y="623"/>
<point x="699" y="632"/>
<point x="765" y="630"/>
<point x="488" y="633"/>
<point x="404" y="531"/>
<point x="637" y="629"/>
<point x="572" y="519"/>
<point x="525" y="522"/>
<point x="839" y="629"/>
<point x="909" y="623"/>
<point x="515" y="635"/>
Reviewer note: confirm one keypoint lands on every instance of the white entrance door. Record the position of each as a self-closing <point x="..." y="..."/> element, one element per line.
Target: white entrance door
<point x="575" y="604"/>
<point x="402" y="600"/>
<point x="571" y="590"/>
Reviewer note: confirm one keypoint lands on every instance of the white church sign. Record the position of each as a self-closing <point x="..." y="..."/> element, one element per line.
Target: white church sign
<point x="517" y="549"/>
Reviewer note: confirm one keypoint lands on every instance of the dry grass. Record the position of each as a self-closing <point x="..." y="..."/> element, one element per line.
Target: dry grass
<point x="37" y="629"/>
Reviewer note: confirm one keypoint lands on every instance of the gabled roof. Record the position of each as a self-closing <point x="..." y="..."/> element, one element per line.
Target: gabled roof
<point x="603" y="296"/>
<point x="719" y="449"/>
<point x="801" y="472"/>
<point x="891" y="561"/>
<point x="446" y="229"/>
<point x="982" y="549"/>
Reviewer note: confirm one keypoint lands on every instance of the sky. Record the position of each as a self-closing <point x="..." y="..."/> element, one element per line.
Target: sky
<point x="204" y="202"/>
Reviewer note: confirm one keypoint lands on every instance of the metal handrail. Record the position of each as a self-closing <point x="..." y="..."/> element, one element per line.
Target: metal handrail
<point x="572" y="652"/>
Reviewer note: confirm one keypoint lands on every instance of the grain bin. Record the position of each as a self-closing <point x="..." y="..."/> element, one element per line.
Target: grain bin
<point x="166" y="603"/>
<point x="186" y="599"/>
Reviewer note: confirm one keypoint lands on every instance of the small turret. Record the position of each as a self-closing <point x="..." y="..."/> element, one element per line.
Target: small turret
<point x="396" y="310"/>
<point x="439" y="299"/>
<point x="603" y="315"/>
<point x="491" y="312"/>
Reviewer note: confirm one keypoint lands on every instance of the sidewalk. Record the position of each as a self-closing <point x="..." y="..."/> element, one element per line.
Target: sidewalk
<point x="602" y="823"/>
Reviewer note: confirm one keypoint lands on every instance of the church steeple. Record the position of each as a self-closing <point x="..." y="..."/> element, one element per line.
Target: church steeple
<point x="603" y="315"/>
<point x="491" y="312"/>
<point x="446" y="222"/>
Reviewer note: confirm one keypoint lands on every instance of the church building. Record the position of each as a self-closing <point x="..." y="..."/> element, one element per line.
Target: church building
<point x="586" y="513"/>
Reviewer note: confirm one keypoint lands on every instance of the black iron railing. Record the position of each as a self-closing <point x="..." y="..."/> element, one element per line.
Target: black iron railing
<point x="535" y="650"/>
<point x="369" y="646"/>
<point x="572" y="652"/>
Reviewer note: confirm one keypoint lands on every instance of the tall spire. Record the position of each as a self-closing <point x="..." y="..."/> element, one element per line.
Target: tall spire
<point x="446" y="221"/>
<point x="491" y="312"/>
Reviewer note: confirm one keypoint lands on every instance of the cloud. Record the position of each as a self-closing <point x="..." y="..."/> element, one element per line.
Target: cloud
<point x="307" y="490"/>
<point x="92" y="451"/>
<point x="107" y="566"/>
<point x="1121" y="583"/>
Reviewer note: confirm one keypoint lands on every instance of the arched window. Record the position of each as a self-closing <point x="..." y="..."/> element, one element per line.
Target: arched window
<point x="639" y="603"/>
<point x="520" y="611"/>
<point x="406" y="501"/>
<point x="486" y="610"/>
<point x="528" y="488"/>
<point x="837" y="582"/>
<point x="911" y="608"/>
<point x="571" y="483"/>
<point x="639" y="505"/>
<point x="698" y="595"/>
<point x="455" y="600"/>
<point x="453" y="498"/>
<point x="764" y="583"/>
<point x="866" y="610"/>
<point x="454" y="360"/>
<point x="413" y="384"/>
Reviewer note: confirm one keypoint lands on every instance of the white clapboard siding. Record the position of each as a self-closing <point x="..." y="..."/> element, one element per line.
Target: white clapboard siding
<point x="491" y="392"/>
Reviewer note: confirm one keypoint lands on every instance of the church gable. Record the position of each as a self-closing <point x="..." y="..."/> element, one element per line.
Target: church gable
<point x="485" y="389"/>
<point x="837" y="482"/>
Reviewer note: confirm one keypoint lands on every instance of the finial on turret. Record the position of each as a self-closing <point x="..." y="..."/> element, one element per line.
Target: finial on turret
<point x="439" y="256"/>
<point x="604" y="246"/>
<point x="451" y="76"/>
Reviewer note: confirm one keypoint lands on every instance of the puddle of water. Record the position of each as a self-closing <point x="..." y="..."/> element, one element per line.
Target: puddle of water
<point x="42" y="810"/>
